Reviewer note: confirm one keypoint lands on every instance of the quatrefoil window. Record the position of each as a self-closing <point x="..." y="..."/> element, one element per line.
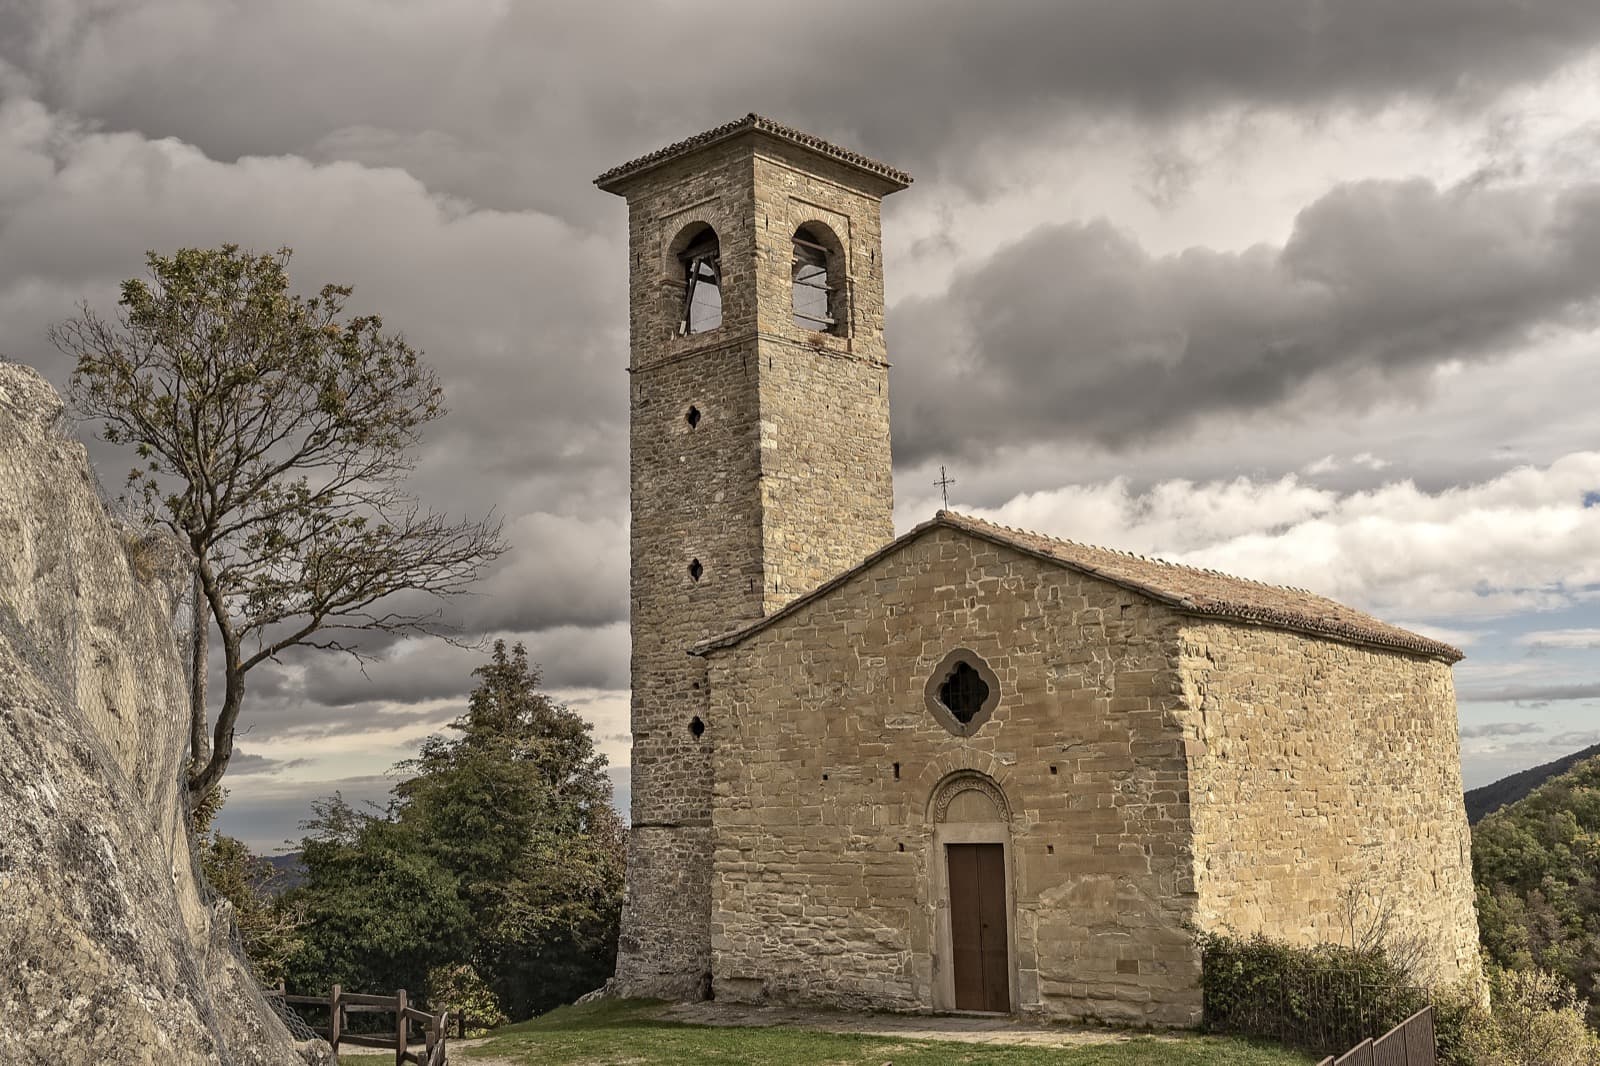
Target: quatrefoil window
<point x="962" y="692"/>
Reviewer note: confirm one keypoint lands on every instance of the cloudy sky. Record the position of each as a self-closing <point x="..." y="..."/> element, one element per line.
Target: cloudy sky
<point x="1297" y="289"/>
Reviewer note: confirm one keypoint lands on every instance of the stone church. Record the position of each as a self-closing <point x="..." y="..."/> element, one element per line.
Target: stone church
<point x="971" y="767"/>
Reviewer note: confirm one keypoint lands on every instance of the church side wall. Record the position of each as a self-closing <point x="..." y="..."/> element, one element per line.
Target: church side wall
<point x="825" y="860"/>
<point x="1325" y="776"/>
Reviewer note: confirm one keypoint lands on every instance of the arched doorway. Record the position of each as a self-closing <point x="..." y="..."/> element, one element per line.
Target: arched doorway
<point x="972" y="894"/>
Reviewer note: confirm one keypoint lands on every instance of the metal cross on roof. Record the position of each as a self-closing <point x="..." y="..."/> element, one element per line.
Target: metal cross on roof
<point x="944" y="484"/>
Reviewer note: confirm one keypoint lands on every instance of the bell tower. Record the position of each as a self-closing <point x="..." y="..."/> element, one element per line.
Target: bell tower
<point x="759" y="452"/>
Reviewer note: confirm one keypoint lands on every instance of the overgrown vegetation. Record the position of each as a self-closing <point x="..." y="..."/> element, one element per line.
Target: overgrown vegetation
<point x="1536" y="864"/>
<point x="493" y="880"/>
<point x="269" y="926"/>
<point x="1537" y="1020"/>
<point x="1324" y="998"/>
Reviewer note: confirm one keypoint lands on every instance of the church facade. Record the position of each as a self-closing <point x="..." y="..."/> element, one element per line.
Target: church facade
<point x="971" y="768"/>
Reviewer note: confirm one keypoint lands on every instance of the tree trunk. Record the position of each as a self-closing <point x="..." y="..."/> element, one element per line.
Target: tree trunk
<point x="199" y="735"/>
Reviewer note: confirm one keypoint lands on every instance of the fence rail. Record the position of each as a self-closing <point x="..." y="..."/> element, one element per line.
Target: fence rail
<point x="339" y="1003"/>
<point x="1411" y="1043"/>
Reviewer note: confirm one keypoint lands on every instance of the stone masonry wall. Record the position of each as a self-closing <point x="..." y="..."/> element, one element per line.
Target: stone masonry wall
<point x="1327" y="773"/>
<point x="781" y="481"/>
<point x="827" y="761"/>
<point x="827" y="489"/>
<point x="695" y="497"/>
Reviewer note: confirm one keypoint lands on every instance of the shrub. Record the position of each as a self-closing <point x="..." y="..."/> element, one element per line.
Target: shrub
<point x="1323" y="998"/>
<point x="460" y="990"/>
<point x="1536" y="1019"/>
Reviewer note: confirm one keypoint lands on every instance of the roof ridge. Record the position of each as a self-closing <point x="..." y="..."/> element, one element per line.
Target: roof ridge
<point x="1157" y="559"/>
<point x="1204" y="592"/>
<point x="1317" y="613"/>
<point x="755" y="121"/>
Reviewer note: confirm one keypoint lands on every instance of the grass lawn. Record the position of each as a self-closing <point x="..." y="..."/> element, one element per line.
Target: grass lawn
<point x="627" y="1034"/>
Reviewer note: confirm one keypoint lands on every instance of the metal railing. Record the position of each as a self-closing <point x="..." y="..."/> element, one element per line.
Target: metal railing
<point x="1313" y="1009"/>
<point x="1411" y="1043"/>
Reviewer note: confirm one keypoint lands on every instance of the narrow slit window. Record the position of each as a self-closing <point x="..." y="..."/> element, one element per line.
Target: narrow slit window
<point x="813" y="293"/>
<point x="702" y="286"/>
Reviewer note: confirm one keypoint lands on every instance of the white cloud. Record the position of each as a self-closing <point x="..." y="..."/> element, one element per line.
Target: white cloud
<point x="1561" y="639"/>
<point x="1519" y="542"/>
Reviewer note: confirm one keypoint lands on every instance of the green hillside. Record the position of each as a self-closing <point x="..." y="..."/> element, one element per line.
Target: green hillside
<point x="1491" y="797"/>
<point x="1536" y="863"/>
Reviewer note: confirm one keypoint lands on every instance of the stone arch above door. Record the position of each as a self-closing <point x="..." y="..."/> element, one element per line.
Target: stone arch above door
<point x="956" y="772"/>
<point x="965" y="795"/>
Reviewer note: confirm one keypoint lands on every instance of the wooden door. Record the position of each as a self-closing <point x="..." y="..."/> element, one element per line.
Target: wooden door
<point x="978" y="939"/>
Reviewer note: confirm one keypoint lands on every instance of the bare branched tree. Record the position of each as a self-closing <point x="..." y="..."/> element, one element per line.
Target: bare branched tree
<point x="1371" y="920"/>
<point x="273" y="437"/>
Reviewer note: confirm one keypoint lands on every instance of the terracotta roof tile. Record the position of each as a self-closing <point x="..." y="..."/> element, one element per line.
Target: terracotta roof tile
<point x="753" y="121"/>
<point x="1185" y="588"/>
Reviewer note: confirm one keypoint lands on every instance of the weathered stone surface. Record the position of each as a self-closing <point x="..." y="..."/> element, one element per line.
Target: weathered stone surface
<point x="1152" y="774"/>
<point x="1171" y="749"/>
<point x="827" y="837"/>
<point x="108" y="950"/>
<point x="1326" y="787"/>
<point x="780" y="481"/>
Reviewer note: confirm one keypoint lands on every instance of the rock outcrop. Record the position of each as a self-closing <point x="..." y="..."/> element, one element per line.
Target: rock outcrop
<point x="110" y="950"/>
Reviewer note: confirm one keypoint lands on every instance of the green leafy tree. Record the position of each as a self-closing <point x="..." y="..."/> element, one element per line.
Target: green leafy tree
<point x="508" y="822"/>
<point x="273" y="434"/>
<point x="1536" y="1020"/>
<point x="379" y="911"/>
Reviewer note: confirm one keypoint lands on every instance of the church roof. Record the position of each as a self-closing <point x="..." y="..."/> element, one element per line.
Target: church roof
<point x="1191" y="590"/>
<point x="752" y="121"/>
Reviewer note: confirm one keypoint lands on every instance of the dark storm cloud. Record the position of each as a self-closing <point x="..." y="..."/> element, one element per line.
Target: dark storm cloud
<point x="1501" y="729"/>
<point x="1075" y="332"/>
<point x="268" y="815"/>
<point x="569" y="657"/>
<point x="1524" y="693"/>
<point x="412" y="684"/>
<point x="299" y="714"/>
<point x="517" y="105"/>
<point x="244" y="763"/>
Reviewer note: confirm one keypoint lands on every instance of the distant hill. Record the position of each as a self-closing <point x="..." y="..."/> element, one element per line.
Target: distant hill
<point x="1537" y="872"/>
<point x="290" y="872"/>
<point x="1491" y="797"/>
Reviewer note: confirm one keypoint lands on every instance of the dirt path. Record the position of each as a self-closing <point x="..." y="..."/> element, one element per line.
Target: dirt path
<point x="967" y="1030"/>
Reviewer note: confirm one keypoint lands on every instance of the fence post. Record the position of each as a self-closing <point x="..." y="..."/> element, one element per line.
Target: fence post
<point x="402" y="1028"/>
<point x="461" y="1023"/>
<point x="429" y="1036"/>
<point x="335" y="1009"/>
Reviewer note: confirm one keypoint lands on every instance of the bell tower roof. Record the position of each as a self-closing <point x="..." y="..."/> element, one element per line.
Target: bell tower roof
<point x="889" y="179"/>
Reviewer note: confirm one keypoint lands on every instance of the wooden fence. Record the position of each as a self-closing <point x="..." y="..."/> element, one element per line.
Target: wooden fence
<point x="1410" y="1043"/>
<point x="339" y="1004"/>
